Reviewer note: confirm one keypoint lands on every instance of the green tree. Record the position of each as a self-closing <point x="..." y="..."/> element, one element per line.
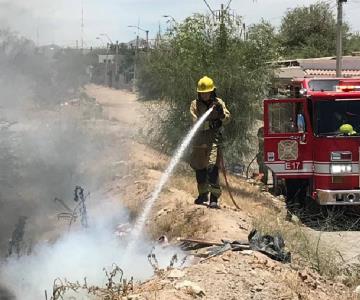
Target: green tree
<point x="197" y="47"/>
<point x="352" y="43"/>
<point x="309" y="31"/>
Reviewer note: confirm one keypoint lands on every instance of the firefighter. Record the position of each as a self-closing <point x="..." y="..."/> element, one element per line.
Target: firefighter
<point x="205" y="156"/>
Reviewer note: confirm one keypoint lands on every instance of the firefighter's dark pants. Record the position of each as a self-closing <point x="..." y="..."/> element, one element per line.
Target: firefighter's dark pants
<point x="208" y="181"/>
<point x="208" y="178"/>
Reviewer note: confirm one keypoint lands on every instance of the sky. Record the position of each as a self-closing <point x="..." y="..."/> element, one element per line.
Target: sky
<point x="59" y="21"/>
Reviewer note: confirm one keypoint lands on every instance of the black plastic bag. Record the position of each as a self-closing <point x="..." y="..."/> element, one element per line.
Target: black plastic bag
<point x="272" y="246"/>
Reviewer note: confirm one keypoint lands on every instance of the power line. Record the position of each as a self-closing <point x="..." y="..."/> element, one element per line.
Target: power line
<point x="209" y="7"/>
<point x="228" y="5"/>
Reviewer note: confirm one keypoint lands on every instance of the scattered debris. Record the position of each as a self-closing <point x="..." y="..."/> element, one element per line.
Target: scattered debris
<point x="191" y="287"/>
<point x="247" y="252"/>
<point x="269" y="245"/>
<point x="266" y="244"/>
<point x="175" y="274"/>
<point x="79" y="197"/>
<point x="63" y="204"/>
<point x="237" y="169"/>
<point x="71" y="215"/>
<point x="217" y="250"/>
<point x="194" y="244"/>
<point x="17" y="236"/>
<point x="163" y="240"/>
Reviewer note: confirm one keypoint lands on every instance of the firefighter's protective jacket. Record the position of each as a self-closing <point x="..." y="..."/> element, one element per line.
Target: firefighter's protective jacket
<point x="207" y="141"/>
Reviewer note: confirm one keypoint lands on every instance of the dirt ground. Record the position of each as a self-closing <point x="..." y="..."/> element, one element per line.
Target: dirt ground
<point x="233" y="275"/>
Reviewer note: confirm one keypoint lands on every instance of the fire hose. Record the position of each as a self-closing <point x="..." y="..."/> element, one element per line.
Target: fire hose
<point x="226" y="180"/>
<point x="222" y="165"/>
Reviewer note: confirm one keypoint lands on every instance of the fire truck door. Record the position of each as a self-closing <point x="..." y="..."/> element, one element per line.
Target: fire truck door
<point x="286" y="137"/>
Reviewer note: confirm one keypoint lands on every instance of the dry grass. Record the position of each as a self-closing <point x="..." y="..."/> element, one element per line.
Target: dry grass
<point x="185" y="183"/>
<point x="310" y="249"/>
<point x="134" y="207"/>
<point x="180" y="223"/>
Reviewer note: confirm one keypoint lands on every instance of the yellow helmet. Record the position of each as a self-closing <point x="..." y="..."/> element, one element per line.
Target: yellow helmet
<point x="205" y="85"/>
<point x="347" y="129"/>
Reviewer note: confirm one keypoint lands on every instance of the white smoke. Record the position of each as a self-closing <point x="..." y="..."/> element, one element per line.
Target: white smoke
<point x="79" y="254"/>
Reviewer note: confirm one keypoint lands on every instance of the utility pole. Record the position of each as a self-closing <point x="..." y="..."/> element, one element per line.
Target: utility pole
<point x="82" y="26"/>
<point x="106" y="63"/>
<point x="147" y="39"/>
<point x="116" y="63"/>
<point x="135" y="61"/>
<point x="339" y="37"/>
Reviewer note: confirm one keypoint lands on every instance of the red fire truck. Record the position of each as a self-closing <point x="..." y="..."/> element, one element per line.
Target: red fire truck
<point x="312" y="140"/>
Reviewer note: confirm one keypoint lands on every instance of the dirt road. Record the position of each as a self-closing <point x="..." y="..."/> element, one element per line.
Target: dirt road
<point x="119" y="105"/>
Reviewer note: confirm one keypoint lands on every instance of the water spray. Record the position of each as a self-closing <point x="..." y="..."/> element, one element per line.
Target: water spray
<point x="139" y="225"/>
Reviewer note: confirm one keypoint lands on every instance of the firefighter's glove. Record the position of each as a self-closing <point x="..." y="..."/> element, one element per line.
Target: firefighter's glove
<point x="220" y="110"/>
<point x="215" y="124"/>
<point x="217" y="112"/>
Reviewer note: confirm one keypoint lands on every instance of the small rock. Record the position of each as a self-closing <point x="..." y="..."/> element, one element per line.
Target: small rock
<point x="281" y="197"/>
<point x="295" y="219"/>
<point x="175" y="273"/>
<point x="165" y="281"/>
<point x="357" y="290"/>
<point x="247" y="252"/>
<point x="225" y="258"/>
<point x="270" y="264"/>
<point x="191" y="287"/>
<point x="303" y="275"/>
<point x="342" y="278"/>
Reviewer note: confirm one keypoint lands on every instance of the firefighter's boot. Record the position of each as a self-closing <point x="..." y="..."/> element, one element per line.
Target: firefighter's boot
<point x="214" y="202"/>
<point x="202" y="199"/>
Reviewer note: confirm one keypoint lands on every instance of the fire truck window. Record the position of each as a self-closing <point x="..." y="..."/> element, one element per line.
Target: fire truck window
<point x="295" y="91"/>
<point x="330" y="115"/>
<point x="283" y="117"/>
<point x="323" y="85"/>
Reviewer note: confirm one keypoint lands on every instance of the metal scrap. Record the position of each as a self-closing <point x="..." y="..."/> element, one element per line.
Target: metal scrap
<point x="72" y="215"/>
<point x="17" y="236"/>
<point x="79" y="197"/>
<point x="272" y="246"/>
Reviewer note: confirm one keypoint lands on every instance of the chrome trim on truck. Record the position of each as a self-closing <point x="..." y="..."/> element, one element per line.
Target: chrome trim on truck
<point x="338" y="197"/>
